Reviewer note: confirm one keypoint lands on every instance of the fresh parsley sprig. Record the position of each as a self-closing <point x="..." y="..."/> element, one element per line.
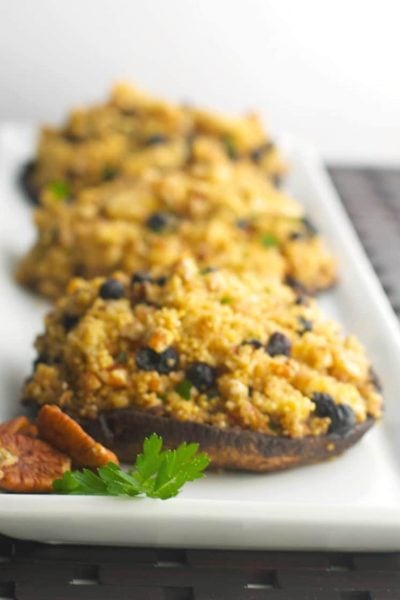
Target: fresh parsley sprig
<point x="157" y="473"/>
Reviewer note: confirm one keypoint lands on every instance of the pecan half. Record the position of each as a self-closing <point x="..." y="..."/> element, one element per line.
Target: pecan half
<point x="67" y="435"/>
<point x="28" y="464"/>
<point x="20" y="425"/>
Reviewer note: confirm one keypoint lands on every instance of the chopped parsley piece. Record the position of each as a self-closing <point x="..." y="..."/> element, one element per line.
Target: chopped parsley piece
<point x="230" y="148"/>
<point x="183" y="388"/>
<point x="60" y="189"/>
<point x="268" y="240"/>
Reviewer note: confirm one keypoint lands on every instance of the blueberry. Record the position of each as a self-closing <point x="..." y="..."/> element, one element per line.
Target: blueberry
<point x="41" y="359"/>
<point x="148" y="359"/>
<point x="305" y="324"/>
<point x="295" y="235"/>
<point x="69" y="321"/>
<point x="168" y="361"/>
<point x="25" y="180"/>
<point x="255" y="343"/>
<point x="301" y="300"/>
<point x="162" y="280"/>
<point x="374" y="378"/>
<point x="111" y="290"/>
<point x="243" y="224"/>
<point x="277" y="181"/>
<point x="341" y="415"/>
<point x="258" y="153"/>
<point x="201" y="375"/>
<point x="309" y="227"/>
<point x="278" y="345"/>
<point x="295" y="284"/>
<point x="158" y="138"/>
<point x="157" y="221"/>
<point x="141" y="277"/>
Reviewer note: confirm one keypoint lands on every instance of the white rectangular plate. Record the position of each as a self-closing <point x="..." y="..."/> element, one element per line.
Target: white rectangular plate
<point x="352" y="502"/>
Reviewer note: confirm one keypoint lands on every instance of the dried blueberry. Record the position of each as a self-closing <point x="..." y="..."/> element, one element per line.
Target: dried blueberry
<point x="255" y="343"/>
<point x="295" y="235"/>
<point x="301" y="300"/>
<point x="25" y="180"/>
<point x="69" y="321"/>
<point x="201" y="375"/>
<point x="295" y="284"/>
<point x="157" y="221"/>
<point x="158" y="138"/>
<point x="147" y="359"/>
<point x="309" y="227"/>
<point x="168" y="361"/>
<point x="278" y="345"/>
<point x="258" y="153"/>
<point x="162" y="362"/>
<point x="305" y="325"/>
<point x="374" y="378"/>
<point x="341" y="415"/>
<point x="243" y="224"/>
<point x="41" y="359"/>
<point x="112" y="289"/>
<point x="162" y="280"/>
<point x="277" y="181"/>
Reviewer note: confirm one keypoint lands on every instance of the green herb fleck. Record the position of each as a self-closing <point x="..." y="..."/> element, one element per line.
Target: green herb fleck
<point x="226" y="300"/>
<point x="157" y="473"/>
<point x="122" y="357"/>
<point x="207" y="270"/>
<point x="268" y="240"/>
<point x="60" y="189"/>
<point x="183" y="388"/>
<point x="230" y="148"/>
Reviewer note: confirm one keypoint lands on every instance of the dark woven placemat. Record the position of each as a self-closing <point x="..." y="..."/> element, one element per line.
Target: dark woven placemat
<point x="33" y="571"/>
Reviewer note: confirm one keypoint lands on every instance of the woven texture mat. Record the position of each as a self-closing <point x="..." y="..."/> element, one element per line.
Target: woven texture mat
<point x="32" y="571"/>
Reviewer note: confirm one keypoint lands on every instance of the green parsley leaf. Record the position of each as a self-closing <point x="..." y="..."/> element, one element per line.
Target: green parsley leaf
<point x="157" y="473"/>
<point x="268" y="240"/>
<point x="60" y="189"/>
<point x="226" y="300"/>
<point x="183" y="388"/>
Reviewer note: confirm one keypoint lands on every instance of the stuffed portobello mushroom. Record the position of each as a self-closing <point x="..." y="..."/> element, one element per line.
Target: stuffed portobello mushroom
<point x="132" y="133"/>
<point x="253" y="372"/>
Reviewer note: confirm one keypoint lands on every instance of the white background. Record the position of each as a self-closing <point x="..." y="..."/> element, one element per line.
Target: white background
<point x="327" y="70"/>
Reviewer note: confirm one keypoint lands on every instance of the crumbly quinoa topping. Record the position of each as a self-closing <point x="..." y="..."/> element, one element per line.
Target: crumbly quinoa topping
<point x="223" y="215"/>
<point x="133" y="132"/>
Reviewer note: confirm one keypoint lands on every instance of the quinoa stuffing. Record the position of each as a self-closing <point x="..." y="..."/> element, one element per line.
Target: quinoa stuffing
<point x="179" y="351"/>
<point x="222" y="215"/>
<point x="133" y="132"/>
